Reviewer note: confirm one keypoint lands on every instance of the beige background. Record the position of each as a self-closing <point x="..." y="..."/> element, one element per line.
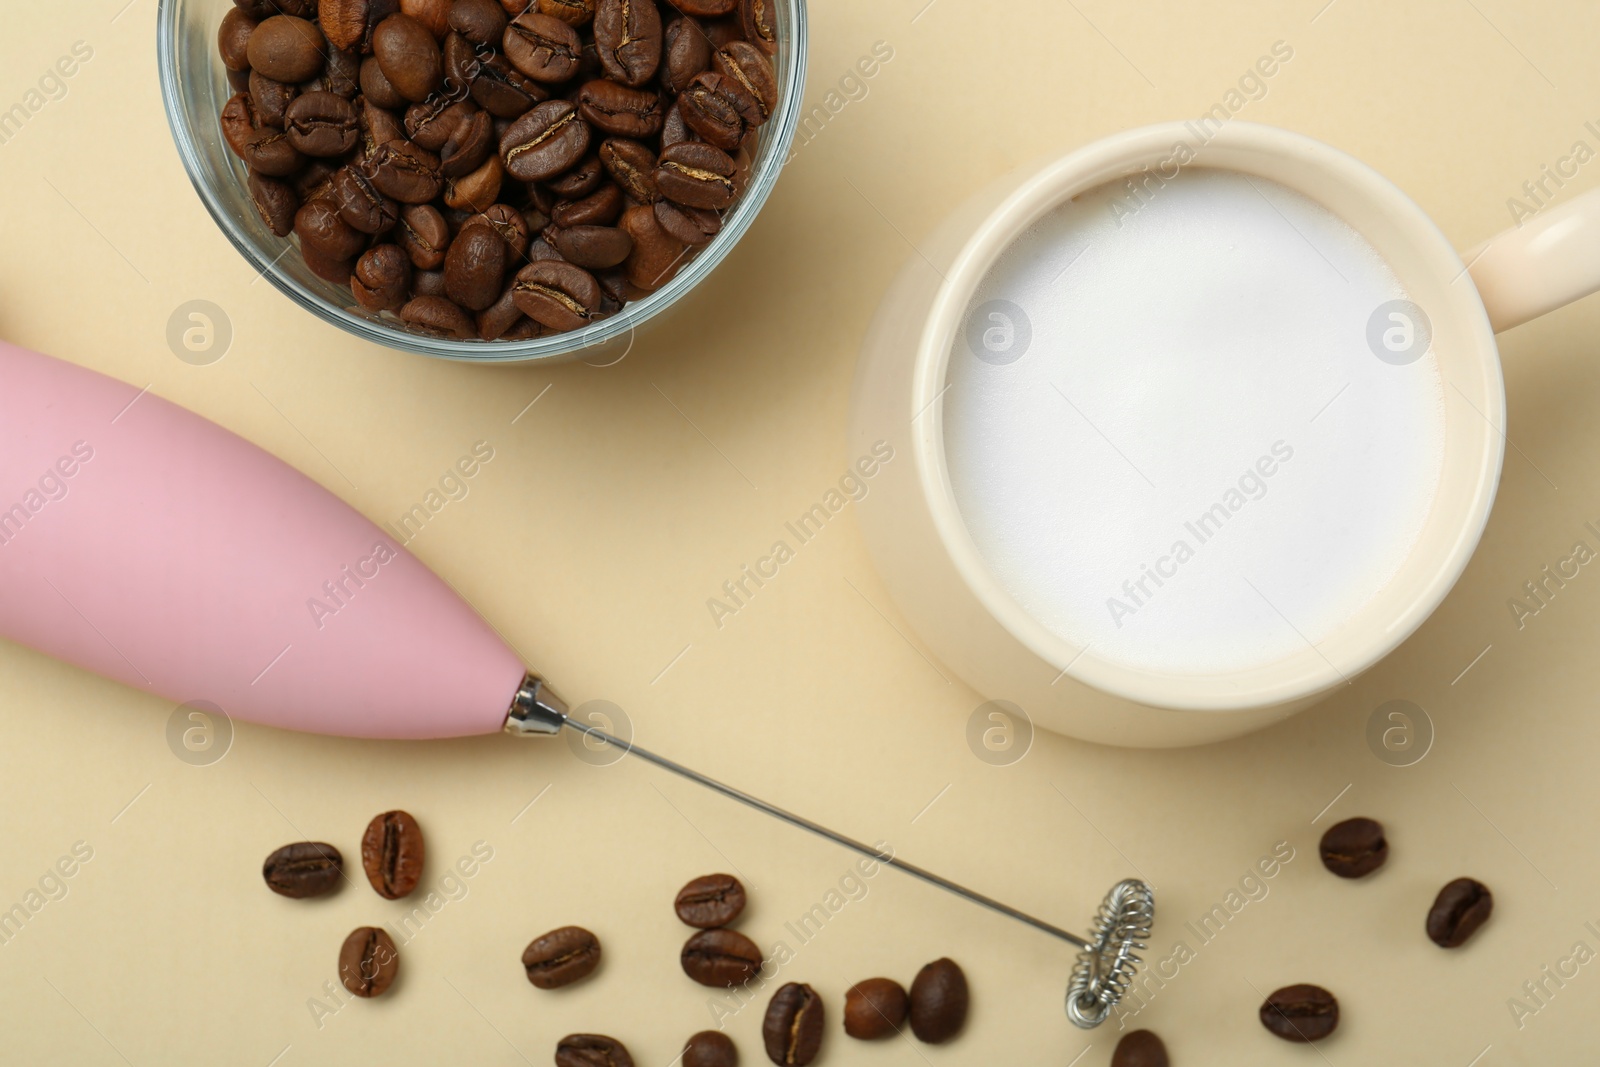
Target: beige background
<point x="625" y="497"/>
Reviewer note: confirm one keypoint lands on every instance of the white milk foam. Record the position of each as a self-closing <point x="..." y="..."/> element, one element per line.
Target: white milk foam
<point x="1197" y="465"/>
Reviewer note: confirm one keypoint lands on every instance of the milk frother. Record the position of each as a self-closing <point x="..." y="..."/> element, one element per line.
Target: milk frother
<point x="149" y="545"/>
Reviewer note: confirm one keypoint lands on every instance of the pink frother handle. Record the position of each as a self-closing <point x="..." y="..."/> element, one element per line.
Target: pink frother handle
<point x="149" y="545"/>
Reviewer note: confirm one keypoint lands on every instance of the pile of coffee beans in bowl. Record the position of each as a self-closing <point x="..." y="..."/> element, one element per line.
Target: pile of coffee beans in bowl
<point x="497" y="169"/>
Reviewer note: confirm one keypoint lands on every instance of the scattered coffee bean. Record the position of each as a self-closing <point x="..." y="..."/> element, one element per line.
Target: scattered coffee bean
<point x="613" y="140"/>
<point x="561" y="957"/>
<point x="710" y="1048"/>
<point x="1354" y="848"/>
<point x="392" y="854"/>
<point x="875" y="1008"/>
<point x="1459" y="909"/>
<point x="368" y="962"/>
<point x="1300" y="1013"/>
<point x="304" y="869"/>
<point x="792" y="1029"/>
<point x="591" y="1050"/>
<point x="939" y="1001"/>
<point x="720" y="958"/>
<point x="1139" y="1048"/>
<point x="710" y="900"/>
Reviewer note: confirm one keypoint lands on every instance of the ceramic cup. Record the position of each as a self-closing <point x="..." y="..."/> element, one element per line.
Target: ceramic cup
<point x="946" y="590"/>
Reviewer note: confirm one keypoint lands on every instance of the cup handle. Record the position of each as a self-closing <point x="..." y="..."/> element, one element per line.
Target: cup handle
<point x="1545" y="263"/>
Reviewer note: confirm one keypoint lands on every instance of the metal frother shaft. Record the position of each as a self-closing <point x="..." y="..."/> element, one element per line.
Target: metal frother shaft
<point x="1105" y="966"/>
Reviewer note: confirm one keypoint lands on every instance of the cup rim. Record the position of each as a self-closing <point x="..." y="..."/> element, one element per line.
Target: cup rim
<point x="1308" y="671"/>
<point x="777" y="148"/>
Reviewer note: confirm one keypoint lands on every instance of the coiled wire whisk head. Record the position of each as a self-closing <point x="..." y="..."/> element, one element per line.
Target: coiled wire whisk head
<point x="1105" y="969"/>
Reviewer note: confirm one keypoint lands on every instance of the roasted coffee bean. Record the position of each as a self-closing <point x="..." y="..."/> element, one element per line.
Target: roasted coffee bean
<point x="409" y="56"/>
<point x="691" y="225"/>
<point x="500" y="317"/>
<point x="264" y="149"/>
<point x="509" y="223"/>
<point x="272" y="99"/>
<point x="540" y="250"/>
<point x="436" y="316"/>
<point x="286" y="49"/>
<point x="322" y="124"/>
<point x="382" y="278"/>
<point x="311" y="181"/>
<point x="468" y="145"/>
<point x="717" y="958"/>
<point x="376" y="88"/>
<point x="591" y="247"/>
<point x="744" y="63"/>
<point x="349" y="23"/>
<point x="368" y="962"/>
<point x="476" y="191"/>
<point x="304" y="869"/>
<point x="674" y="130"/>
<point x="561" y="957"/>
<point x="720" y="31"/>
<point x="428" y="283"/>
<point x="424" y="235"/>
<point x="341" y="75"/>
<point x="938" y="1001"/>
<point x="239" y="81"/>
<point x="627" y="34"/>
<point x="710" y="900"/>
<point x="1140" y="1048"/>
<point x="792" y="1029"/>
<point x="524" y="330"/>
<point x="430" y="124"/>
<point x="392" y="853"/>
<point x="360" y="203"/>
<point x="718" y="110"/>
<point x="760" y="29"/>
<point x="874" y="1008"/>
<point x="434" y="14"/>
<point x="562" y="297"/>
<point x="696" y="175"/>
<point x="324" y="231"/>
<point x="481" y="22"/>
<point x="276" y="201"/>
<point x="543" y="47"/>
<point x="546" y="141"/>
<point x="591" y="1050"/>
<point x="474" y="267"/>
<point x="632" y="166"/>
<point x="600" y="208"/>
<point x="405" y="172"/>
<point x="461" y="66"/>
<point x="705" y="9"/>
<point x="379" y="126"/>
<point x="576" y="13"/>
<point x="1354" y="848"/>
<point x="710" y="1048"/>
<point x="233" y="39"/>
<point x="656" y="253"/>
<point x="580" y="181"/>
<point x="504" y="91"/>
<point x="620" y="111"/>
<point x="337" y="271"/>
<point x="1300" y="1013"/>
<point x="1459" y="909"/>
<point x="685" y="52"/>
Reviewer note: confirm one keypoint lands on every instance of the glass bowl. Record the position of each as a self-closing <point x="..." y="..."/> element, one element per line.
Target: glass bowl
<point x="194" y="88"/>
